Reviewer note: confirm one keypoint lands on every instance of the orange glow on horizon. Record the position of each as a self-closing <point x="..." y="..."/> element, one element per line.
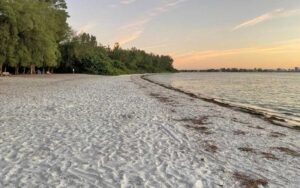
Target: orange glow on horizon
<point x="280" y="55"/>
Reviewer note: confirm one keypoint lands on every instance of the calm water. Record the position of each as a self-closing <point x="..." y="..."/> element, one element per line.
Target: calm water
<point x="273" y="93"/>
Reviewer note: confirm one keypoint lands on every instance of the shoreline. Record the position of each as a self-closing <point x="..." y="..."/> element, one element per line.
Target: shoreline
<point x="278" y="121"/>
<point x="122" y="131"/>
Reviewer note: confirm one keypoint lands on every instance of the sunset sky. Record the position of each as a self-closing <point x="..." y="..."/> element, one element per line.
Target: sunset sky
<point x="198" y="34"/>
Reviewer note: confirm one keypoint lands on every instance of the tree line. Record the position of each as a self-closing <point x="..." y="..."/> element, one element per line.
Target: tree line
<point x="35" y="35"/>
<point x="83" y="54"/>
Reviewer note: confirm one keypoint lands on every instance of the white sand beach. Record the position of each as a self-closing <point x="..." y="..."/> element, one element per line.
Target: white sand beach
<point x="97" y="131"/>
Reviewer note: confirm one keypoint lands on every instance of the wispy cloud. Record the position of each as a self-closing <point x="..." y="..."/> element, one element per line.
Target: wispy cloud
<point x="278" y="13"/>
<point x="129" y="38"/>
<point x="282" y="47"/>
<point x="137" y="27"/>
<point x="159" y="45"/>
<point x="86" y="28"/>
<point x="164" y="7"/>
<point x="122" y="2"/>
<point x="134" y="30"/>
<point x="126" y="2"/>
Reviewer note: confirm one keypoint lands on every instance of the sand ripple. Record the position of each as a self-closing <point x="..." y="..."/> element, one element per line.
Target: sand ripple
<point x="94" y="131"/>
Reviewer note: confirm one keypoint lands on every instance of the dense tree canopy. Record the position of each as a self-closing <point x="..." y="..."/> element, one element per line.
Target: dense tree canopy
<point x="30" y="32"/>
<point x="83" y="54"/>
<point x="34" y="34"/>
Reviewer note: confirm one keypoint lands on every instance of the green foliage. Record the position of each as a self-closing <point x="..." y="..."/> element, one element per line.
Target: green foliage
<point x="82" y="54"/>
<point x="30" y="31"/>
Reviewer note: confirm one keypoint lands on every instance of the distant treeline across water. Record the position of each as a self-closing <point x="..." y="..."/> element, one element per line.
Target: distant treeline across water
<point x="296" y="69"/>
<point x="35" y="36"/>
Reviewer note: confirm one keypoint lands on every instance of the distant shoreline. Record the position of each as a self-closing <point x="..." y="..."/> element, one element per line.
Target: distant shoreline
<point x="258" y="70"/>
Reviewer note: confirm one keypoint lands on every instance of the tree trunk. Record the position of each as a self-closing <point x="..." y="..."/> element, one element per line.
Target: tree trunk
<point x="43" y="70"/>
<point x="32" y="69"/>
<point x="1" y="69"/>
<point x="17" y="70"/>
<point x="24" y="70"/>
<point x="49" y="70"/>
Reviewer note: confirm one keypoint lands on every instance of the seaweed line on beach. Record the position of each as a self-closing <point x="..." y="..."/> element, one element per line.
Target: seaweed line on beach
<point x="272" y="119"/>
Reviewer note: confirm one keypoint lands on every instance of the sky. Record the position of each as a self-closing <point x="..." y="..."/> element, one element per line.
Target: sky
<point x="198" y="34"/>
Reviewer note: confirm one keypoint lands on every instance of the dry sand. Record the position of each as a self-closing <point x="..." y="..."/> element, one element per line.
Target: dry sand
<point x="96" y="131"/>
